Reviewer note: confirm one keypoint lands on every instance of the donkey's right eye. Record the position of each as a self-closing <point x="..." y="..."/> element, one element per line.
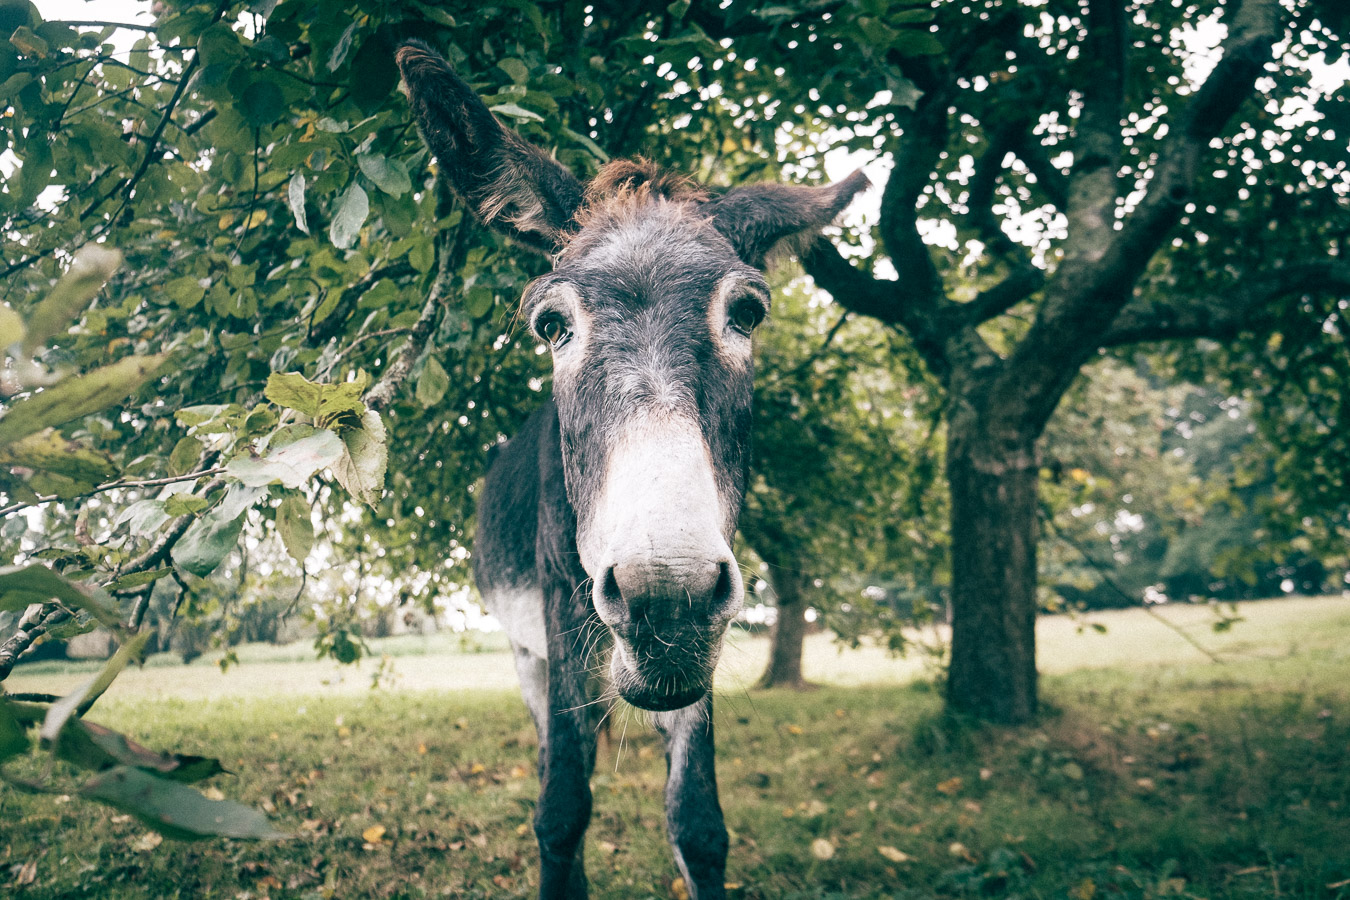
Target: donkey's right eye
<point x="553" y="328"/>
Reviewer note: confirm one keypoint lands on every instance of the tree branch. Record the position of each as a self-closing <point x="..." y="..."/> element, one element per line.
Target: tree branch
<point x="1224" y="316"/>
<point x="382" y="394"/>
<point x="112" y="486"/>
<point x="1101" y="264"/>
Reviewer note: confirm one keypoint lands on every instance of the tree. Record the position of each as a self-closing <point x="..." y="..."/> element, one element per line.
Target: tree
<point x="1073" y="148"/>
<point x="844" y="466"/>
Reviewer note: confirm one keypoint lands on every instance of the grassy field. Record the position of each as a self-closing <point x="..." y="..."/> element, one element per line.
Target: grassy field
<point x="1155" y="773"/>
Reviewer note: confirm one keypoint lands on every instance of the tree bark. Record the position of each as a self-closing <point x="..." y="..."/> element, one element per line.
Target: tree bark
<point x="789" y="632"/>
<point x="992" y="674"/>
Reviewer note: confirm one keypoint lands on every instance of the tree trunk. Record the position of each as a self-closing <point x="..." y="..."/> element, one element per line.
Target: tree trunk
<point x="993" y="486"/>
<point x="789" y="630"/>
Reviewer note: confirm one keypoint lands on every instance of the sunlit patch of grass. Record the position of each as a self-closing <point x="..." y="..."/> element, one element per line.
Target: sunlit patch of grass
<point x="1143" y="780"/>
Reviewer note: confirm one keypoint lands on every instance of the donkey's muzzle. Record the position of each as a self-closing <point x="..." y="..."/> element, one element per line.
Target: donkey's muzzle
<point x="642" y="591"/>
<point x="668" y="614"/>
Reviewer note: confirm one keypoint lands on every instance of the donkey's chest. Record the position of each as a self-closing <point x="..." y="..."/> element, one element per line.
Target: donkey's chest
<point x="521" y="613"/>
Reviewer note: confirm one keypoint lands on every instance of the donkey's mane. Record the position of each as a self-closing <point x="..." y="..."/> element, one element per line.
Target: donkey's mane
<point x="624" y="189"/>
<point x="623" y="177"/>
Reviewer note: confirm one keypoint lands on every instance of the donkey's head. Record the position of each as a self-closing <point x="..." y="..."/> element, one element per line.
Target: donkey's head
<point x="649" y="310"/>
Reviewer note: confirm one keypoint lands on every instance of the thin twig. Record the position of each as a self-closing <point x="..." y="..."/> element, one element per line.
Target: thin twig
<point x="114" y="485"/>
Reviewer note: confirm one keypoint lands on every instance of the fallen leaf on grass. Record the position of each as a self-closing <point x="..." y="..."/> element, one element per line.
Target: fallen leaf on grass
<point x="951" y="787"/>
<point x="519" y="771"/>
<point x="894" y="854"/>
<point x="147" y="842"/>
<point x="794" y="729"/>
<point x="374" y="834"/>
<point x="822" y="849"/>
<point x="607" y="847"/>
<point x="959" y="849"/>
<point x="26" y="873"/>
<point x="679" y="890"/>
<point x="477" y="769"/>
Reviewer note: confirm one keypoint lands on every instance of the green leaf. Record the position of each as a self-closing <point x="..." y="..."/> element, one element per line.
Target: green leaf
<point x="262" y="103"/>
<point x="594" y="148"/>
<point x="361" y="469"/>
<point x="78" y="702"/>
<point x="92" y="746"/>
<point x="177" y="810"/>
<point x="209" y="540"/>
<point x="432" y="384"/>
<point x="136" y="579"/>
<point x="352" y="209"/>
<point x="185" y="292"/>
<point x="11" y="326"/>
<point x="478" y="301"/>
<point x="185" y="505"/>
<point x="294" y="391"/>
<point x="295" y="195"/>
<point x="76" y="397"/>
<point x="91" y="268"/>
<point x="296" y="527"/>
<point x="47" y="451"/>
<point x="185" y="455"/>
<point x="517" y="112"/>
<point x="389" y="175"/>
<point x="21" y="586"/>
<point x="516" y="70"/>
<point x="13" y="738"/>
<point x="341" y="48"/>
<point x="292" y="465"/>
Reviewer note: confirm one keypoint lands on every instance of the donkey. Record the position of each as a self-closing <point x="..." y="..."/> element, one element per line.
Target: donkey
<point x="611" y="514"/>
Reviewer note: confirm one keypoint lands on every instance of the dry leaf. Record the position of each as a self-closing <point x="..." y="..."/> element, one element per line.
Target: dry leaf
<point x="27" y="873"/>
<point x="951" y="787"/>
<point x="519" y="771"/>
<point x="822" y="849"/>
<point x="679" y="890"/>
<point x="477" y="769"/>
<point x="422" y="749"/>
<point x="894" y="854"/>
<point x="374" y="834"/>
<point x="147" y="842"/>
<point x="794" y="729"/>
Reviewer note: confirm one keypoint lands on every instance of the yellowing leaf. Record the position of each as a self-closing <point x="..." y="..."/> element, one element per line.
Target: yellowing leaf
<point x="147" y="842"/>
<point x="374" y="834"/>
<point x="822" y="849"/>
<point x="477" y="769"/>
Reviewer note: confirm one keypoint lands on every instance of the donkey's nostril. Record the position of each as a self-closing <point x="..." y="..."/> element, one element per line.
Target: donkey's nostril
<point x="724" y="591"/>
<point x="610" y="600"/>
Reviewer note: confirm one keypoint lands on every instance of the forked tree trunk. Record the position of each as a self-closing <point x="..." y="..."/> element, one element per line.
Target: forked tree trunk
<point x="994" y="528"/>
<point x="789" y="631"/>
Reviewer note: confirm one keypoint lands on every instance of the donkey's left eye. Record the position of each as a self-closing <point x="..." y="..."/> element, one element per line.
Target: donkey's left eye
<point x="746" y="317"/>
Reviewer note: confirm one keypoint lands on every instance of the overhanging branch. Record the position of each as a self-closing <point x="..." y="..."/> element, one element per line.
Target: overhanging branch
<point x="1221" y="317"/>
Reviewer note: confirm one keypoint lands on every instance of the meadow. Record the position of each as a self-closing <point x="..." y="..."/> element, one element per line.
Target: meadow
<point x="1155" y="772"/>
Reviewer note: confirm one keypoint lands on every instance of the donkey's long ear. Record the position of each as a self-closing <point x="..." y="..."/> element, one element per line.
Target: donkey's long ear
<point x="511" y="184"/>
<point x="758" y="218"/>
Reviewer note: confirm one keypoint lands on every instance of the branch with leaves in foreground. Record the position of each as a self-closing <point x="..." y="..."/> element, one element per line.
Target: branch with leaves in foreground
<point x="279" y="443"/>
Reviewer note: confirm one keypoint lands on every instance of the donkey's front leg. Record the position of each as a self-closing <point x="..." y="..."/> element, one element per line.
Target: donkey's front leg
<point x="693" y="815"/>
<point x="566" y="759"/>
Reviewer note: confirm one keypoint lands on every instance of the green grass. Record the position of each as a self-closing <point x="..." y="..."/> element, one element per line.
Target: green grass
<point x="1155" y="773"/>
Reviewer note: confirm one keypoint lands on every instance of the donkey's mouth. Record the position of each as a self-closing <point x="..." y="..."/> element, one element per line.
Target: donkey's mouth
<point x="660" y="683"/>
